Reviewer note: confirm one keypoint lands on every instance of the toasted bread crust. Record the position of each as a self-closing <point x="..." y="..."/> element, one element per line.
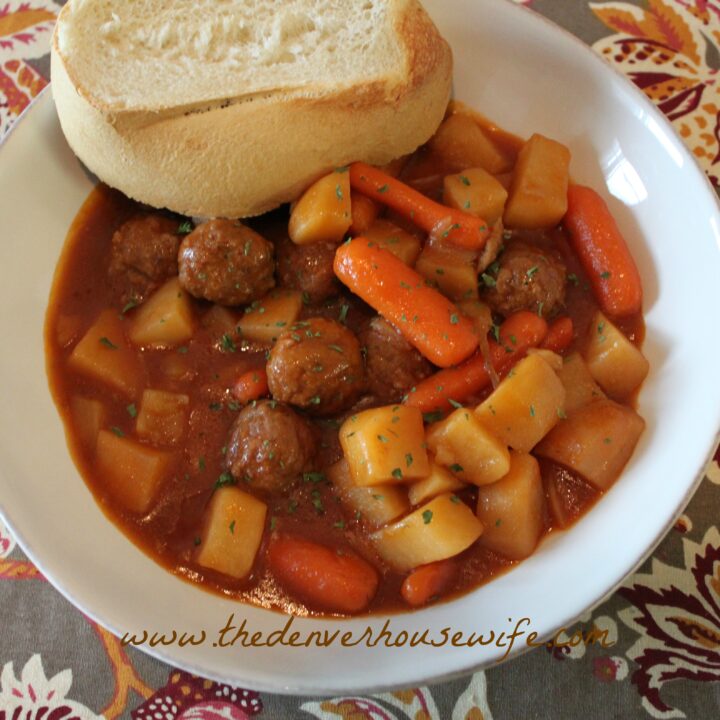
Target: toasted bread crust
<point x="245" y="156"/>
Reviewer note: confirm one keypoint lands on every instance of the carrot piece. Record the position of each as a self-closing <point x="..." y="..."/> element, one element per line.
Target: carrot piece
<point x="454" y="226"/>
<point x="518" y="334"/>
<point x="560" y="335"/>
<point x="322" y="578"/>
<point x="603" y="252"/>
<point x="428" y="582"/>
<point x="251" y="386"/>
<point x="427" y="319"/>
<point x="364" y="213"/>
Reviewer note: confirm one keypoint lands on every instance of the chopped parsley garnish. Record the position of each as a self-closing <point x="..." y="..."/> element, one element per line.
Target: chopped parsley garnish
<point x="129" y="305"/>
<point x="495" y="330"/>
<point x="573" y="278"/>
<point x="384" y="188"/>
<point x="338" y="192"/>
<point x="382" y="438"/>
<point x="318" y="505"/>
<point x="182" y="349"/>
<point x="117" y="431"/>
<point x="532" y="411"/>
<point x="427" y="517"/>
<point x="455" y="499"/>
<point x="465" y="180"/>
<point x="314" y="477"/>
<point x="185" y="227"/>
<point x="227" y="343"/>
<point x="108" y="343"/>
<point x="397" y="474"/>
<point x="336" y="348"/>
<point x="605" y="275"/>
<point x="457" y="468"/>
<point x="224" y="479"/>
<point x="455" y="403"/>
<point x="454" y="320"/>
<point x="561" y="414"/>
<point x="408" y="459"/>
<point x="292" y="506"/>
<point x="489" y="280"/>
<point x="232" y="527"/>
<point x="431" y="417"/>
<point x="342" y="317"/>
<point x="315" y="400"/>
<point x="340" y="525"/>
<point x="132" y="410"/>
<point x="532" y="271"/>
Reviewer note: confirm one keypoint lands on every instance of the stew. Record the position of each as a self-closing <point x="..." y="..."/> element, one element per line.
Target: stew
<point x="383" y="395"/>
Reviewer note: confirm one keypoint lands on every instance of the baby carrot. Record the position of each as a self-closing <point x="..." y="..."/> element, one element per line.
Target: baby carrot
<point x="428" y="582"/>
<point x="517" y="334"/>
<point x="455" y="226"/>
<point x="603" y="252"/>
<point x="322" y="577"/>
<point x="251" y="386"/>
<point x="427" y="319"/>
<point x="560" y="335"/>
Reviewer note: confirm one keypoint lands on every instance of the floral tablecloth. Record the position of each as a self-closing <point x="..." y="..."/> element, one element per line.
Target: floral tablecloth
<point x="664" y="622"/>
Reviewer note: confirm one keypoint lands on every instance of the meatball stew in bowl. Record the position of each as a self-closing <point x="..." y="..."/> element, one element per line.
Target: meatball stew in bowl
<point x="385" y="395"/>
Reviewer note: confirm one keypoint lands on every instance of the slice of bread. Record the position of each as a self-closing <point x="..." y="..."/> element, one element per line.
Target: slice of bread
<point x="231" y="107"/>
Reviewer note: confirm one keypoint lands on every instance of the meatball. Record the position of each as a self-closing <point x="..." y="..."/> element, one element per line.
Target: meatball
<point x="226" y="262"/>
<point x="144" y="253"/>
<point x="316" y="365"/>
<point x="308" y="268"/>
<point x="270" y="446"/>
<point x="393" y="365"/>
<point x="527" y="278"/>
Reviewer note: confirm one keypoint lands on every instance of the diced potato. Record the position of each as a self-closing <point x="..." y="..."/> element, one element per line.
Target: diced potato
<point x="479" y="313"/>
<point x="88" y="417"/>
<point x="596" y="441"/>
<point x="163" y="417"/>
<point x="462" y="143"/>
<point x="615" y="363"/>
<point x="512" y="509"/>
<point x="364" y="213"/>
<point x="219" y="320"/>
<point x="538" y="194"/>
<point x="438" y="530"/>
<point x="580" y="388"/>
<point x="399" y="242"/>
<point x="131" y="472"/>
<point x="104" y="354"/>
<point x="477" y="192"/>
<point x="453" y="270"/>
<point x="438" y="482"/>
<point x="233" y="528"/>
<point x="323" y="213"/>
<point x="461" y="443"/>
<point x="165" y="319"/>
<point x="526" y="404"/>
<point x="265" y="320"/>
<point x="385" y="445"/>
<point x="568" y="495"/>
<point x="554" y="360"/>
<point x="378" y="505"/>
<point x="67" y="329"/>
<point x="176" y="367"/>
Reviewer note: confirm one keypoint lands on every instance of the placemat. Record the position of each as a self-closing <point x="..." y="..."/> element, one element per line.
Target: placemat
<point x="663" y="625"/>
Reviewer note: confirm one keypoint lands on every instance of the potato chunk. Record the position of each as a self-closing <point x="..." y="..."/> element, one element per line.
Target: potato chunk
<point x="438" y="482"/>
<point x="385" y="445"/>
<point x="165" y="319"/>
<point x="596" y="441"/>
<point x="378" y="505"/>
<point x="477" y="192"/>
<point x="526" y="404"/>
<point x="463" y="444"/>
<point x="163" y="417"/>
<point x="512" y="509"/>
<point x="580" y="388"/>
<point x="615" y="363"/>
<point x="538" y="194"/>
<point x="131" y="472"/>
<point x="104" y="354"/>
<point x="399" y="242"/>
<point x="323" y="213"/>
<point x="233" y="528"/>
<point x="88" y="417"/>
<point x="462" y="143"/>
<point x="268" y="318"/>
<point x="438" y="530"/>
<point x="452" y="270"/>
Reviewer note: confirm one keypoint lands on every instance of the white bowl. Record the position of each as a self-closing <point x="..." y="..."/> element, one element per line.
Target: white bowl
<point x="529" y="76"/>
